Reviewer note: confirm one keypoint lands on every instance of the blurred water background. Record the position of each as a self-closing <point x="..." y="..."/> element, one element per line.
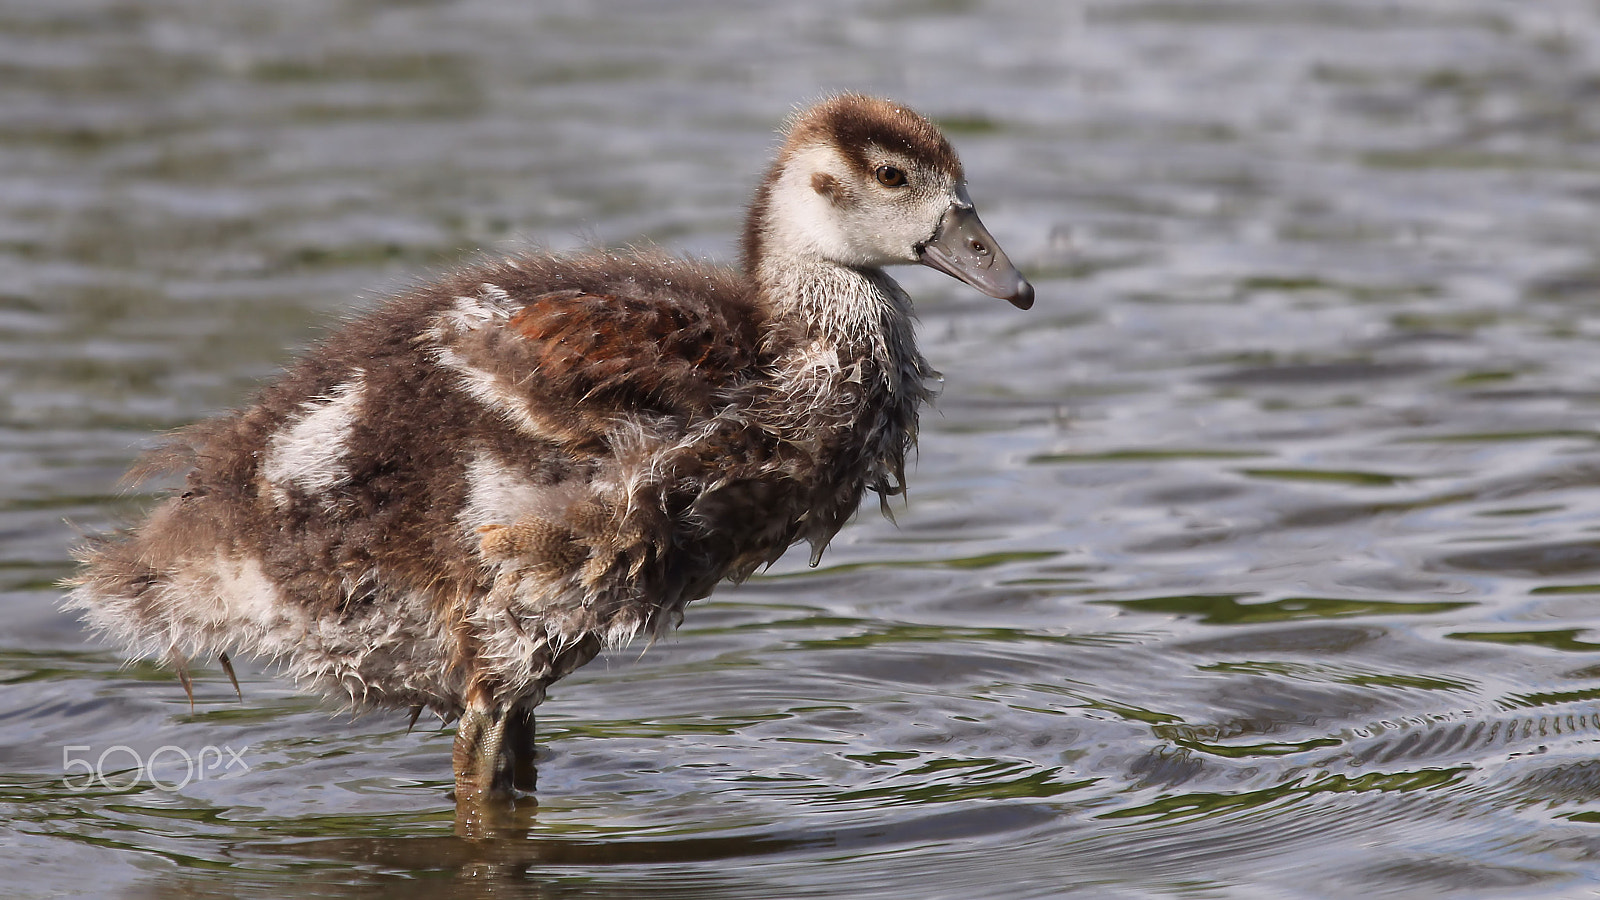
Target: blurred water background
<point x="1260" y="559"/>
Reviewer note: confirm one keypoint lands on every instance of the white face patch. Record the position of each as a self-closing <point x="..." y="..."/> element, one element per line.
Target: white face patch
<point x="810" y="220"/>
<point x="309" y="453"/>
<point x="875" y="225"/>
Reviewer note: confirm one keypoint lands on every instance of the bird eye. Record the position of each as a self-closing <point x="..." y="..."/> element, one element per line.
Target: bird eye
<point x="889" y="176"/>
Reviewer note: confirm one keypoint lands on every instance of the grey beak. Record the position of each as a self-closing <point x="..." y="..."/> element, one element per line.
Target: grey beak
<point x="964" y="249"/>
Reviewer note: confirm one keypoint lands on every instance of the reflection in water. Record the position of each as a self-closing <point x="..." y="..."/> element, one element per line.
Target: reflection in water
<point x="1260" y="561"/>
<point x="512" y="847"/>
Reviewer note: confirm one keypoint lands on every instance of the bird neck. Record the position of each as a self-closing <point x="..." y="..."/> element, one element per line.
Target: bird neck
<point x="840" y="329"/>
<point x="846" y="382"/>
<point x="840" y="304"/>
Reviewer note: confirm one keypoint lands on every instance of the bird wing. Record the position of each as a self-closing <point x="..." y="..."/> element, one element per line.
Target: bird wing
<point x="564" y="365"/>
<point x="620" y="372"/>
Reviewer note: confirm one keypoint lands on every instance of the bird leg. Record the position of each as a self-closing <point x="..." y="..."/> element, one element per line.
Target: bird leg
<point x="494" y="753"/>
<point x="519" y="742"/>
<point x="481" y="759"/>
<point x="493" y="757"/>
<point x="494" y="749"/>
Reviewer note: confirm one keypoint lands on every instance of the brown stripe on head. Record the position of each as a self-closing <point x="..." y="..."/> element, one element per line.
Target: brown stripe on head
<point x="853" y="124"/>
